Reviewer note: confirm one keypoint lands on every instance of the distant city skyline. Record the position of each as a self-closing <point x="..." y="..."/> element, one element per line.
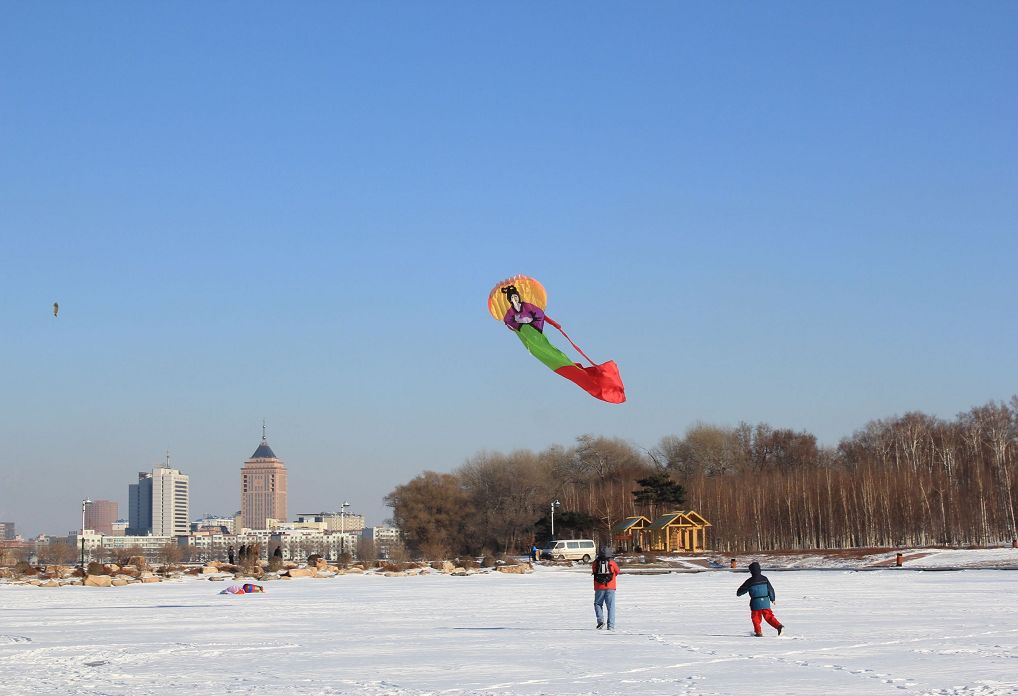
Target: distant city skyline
<point x="159" y="518"/>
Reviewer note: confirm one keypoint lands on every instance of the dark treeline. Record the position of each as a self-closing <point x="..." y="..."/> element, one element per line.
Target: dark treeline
<point x="911" y="480"/>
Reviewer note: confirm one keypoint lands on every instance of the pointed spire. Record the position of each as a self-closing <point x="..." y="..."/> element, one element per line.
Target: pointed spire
<point x="264" y="451"/>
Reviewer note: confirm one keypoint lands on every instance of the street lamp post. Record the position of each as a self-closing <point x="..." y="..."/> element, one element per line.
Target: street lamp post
<point x="84" y="502"/>
<point x="554" y="504"/>
<point x="342" y="525"/>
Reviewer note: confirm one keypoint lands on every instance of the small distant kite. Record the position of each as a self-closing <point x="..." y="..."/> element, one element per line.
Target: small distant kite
<point x="56" y="308"/>
<point x="519" y="302"/>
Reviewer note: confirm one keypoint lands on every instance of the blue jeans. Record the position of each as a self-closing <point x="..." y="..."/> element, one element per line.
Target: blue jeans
<point x="605" y="597"/>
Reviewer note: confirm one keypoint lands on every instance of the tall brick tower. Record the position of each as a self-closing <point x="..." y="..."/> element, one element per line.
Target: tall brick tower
<point x="262" y="487"/>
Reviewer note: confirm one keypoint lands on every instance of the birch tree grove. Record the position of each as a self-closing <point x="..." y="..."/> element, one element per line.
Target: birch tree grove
<point x="910" y="480"/>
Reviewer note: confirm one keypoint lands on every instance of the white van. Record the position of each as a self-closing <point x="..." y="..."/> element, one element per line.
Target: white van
<point x="570" y="550"/>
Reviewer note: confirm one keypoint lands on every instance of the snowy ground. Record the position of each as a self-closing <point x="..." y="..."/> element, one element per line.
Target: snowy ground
<point x="878" y="632"/>
<point x="927" y="558"/>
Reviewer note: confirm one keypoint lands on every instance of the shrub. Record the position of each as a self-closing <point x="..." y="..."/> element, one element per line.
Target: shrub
<point x="466" y="563"/>
<point x="431" y="551"/>
<point x="25" y="568"/>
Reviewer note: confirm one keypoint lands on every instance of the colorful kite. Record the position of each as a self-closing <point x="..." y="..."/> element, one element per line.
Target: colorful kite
<point x="519" y="302"/>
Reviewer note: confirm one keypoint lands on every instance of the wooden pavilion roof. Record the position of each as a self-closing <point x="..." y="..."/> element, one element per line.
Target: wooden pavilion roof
<point x="679" y="518"/>
<point x="629" y="523"/>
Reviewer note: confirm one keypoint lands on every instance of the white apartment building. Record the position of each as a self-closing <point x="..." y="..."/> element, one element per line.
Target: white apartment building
<point x="170" y="502"/>
<point x="334" y="521"/>
<point x="296" y="543"/>
<point x="385" y="539"/>
<point x="150" y="546"/>
<point x="215" y="521"/>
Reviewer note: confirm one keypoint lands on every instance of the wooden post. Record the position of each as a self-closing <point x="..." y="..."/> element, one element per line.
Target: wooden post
<point x="733" y="562"/>
<point x="899" y="559"/>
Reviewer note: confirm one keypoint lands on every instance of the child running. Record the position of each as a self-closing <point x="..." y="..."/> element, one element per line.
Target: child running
<point x="761" y="594"/>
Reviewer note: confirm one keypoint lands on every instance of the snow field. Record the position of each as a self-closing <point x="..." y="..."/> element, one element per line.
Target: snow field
<point x="876" y="632"/>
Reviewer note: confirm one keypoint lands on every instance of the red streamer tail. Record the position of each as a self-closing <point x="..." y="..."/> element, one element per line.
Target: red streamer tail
<point x="579" y="350"/>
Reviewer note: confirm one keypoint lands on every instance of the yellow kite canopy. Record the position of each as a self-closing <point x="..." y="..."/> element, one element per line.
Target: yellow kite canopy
<point x="530" y="289"/>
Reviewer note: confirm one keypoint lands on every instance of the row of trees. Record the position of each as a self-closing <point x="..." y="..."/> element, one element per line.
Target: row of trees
<point x="908" y="480"/>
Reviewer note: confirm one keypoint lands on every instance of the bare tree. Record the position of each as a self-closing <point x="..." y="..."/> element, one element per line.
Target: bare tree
<point x="433" y="511"/>
<point x="366" y="550"/>
<point x="170" y="553"/>
<point x="59" y="553"/>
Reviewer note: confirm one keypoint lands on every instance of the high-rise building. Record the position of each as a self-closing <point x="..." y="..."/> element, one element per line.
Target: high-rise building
<point x="100" y="516"/>
<point x="262" y="487"/>
<point x="160" y="503"/>
<point x="7" y="530"/>
<point x="139" y="504"/>
<point x="171" y="514"/>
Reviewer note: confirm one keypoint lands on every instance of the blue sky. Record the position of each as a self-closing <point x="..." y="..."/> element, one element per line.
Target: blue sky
<point x="798" y="213"/>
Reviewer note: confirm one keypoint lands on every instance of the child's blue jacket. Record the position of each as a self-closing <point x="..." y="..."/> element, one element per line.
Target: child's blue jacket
<point x="761" y="594"/>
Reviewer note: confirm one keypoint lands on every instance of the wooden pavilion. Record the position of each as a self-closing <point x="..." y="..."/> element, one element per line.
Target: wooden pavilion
<point x="627" y="535"/>
<point x="681" y="530"/>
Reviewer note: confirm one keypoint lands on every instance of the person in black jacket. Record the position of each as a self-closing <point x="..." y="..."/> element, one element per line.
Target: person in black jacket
<point x="761" y="594"/>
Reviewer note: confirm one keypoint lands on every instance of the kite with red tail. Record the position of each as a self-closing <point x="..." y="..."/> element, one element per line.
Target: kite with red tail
<point x="519" y="302"/>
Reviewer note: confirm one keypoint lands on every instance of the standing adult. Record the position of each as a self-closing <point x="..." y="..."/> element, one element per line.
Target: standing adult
<point x="605" y="571"/>
<point x="229" y="554"/>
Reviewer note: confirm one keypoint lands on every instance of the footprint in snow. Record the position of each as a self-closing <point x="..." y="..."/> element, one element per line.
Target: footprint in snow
<point x="15" y="639"/>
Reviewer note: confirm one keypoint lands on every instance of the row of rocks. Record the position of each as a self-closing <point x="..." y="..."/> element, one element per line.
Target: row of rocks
<point x="326" y="571"/>
<point x="112" y="575"/>
<point x="119" y="580"/>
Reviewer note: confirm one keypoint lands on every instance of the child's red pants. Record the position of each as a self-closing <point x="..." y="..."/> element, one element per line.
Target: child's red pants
<point x="765" y="615"/>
